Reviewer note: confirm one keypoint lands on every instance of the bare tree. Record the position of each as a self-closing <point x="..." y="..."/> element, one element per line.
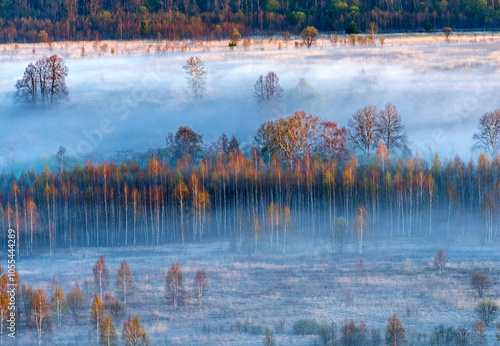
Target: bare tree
<point x="268" y="88"/>
<point x="390" y="128"/>
<point x="487" y="137"/>
<point x="480" y="282"/>
<point x="200" y="284"/>
<point x="440" y="260"/>
<point x="196" y="75"/>
<point x="175" y="285"/>
<point x="46" y="79"/>
<point x="101" y="274"/>
<point x="124" y="279"/>
<point x="362" y="129"/>
<point x="76" y="302"/>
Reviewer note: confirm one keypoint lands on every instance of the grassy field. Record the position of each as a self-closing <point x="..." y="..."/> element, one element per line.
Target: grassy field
<point x="247" y="294"/>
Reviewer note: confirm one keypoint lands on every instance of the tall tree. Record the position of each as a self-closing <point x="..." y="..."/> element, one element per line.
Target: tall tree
<point x="97" y="315"/>
<point x="487" y="137"/>
<point x="108" y="333"/>
<point x="389" y="127"/>
<point x="39" y="313"/>
<point x="200" y="284"/>
<point x="175" y="285"/>
<point x="196" y="75"/>
<point x="133" y="334"/>
<point x="184" y="141"/>
<point x="268" y="88"/>
<point x="59" y="303"/>
<point x="395" y="332"/>
<point x="124" y="279"/>
<point x="101" y="274"/>
<point x="361" y="225"/>
<point x="362" y="129"/>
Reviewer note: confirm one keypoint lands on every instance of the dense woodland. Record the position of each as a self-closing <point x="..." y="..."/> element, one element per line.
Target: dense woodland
<point x="24" y="21"/>
<point x="298" y="180"/>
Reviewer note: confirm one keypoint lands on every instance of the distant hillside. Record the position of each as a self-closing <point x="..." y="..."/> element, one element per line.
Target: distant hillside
<point x="56" y="20"/>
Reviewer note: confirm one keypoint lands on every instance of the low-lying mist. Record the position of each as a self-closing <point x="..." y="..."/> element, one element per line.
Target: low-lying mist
<point x="133" y="101"/>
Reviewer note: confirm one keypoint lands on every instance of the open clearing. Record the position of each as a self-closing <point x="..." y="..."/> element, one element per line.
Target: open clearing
<point x="246" y="294"/>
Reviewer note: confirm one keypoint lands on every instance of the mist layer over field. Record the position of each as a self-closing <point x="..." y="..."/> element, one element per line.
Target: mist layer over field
<point x="132" y="101"/>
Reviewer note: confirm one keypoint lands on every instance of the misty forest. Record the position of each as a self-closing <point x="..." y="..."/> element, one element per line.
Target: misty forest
<point x="310" y="189"/>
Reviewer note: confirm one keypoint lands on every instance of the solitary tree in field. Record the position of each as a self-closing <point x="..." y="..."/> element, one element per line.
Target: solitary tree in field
<point x="39" y="313"/>
<point x="124" y="279"/>
<point x="395" y="332"/>
<point x="362" y="129"/>
<point x="43" y="81"/>
<point x="235" y="37"/>
<point x="200" y="284"/>
<point x="487" y="310"/>
<point x="196" y="75"/>
<point x="101" y="274"/>
<point x="487" y="137"/>
<point x="268" y="88"/>
<point x="108" y="333"/>
<point x="175" y="285"/>
<point x="133" y="334"/>
<point x="447" y="32"/>
<point x="97" y="313"/>
<point x="309" y="36"/>
<point x="480" y="282"/>
<point x="76" y="302"/>
<point x="440" y="260"/>
<point x="59" y="303"/>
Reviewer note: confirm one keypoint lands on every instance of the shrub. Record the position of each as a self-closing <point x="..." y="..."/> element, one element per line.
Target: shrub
<point x="447" y="31"/>
<point x="428" y="27"/>
<point x="306" y="327"/>
<point x="487" y="310"/>
<point x="352" y="28"/>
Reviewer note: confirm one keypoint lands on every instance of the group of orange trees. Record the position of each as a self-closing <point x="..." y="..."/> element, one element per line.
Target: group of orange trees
<point x="130" y="19"/>
<point x="298" y="180"/>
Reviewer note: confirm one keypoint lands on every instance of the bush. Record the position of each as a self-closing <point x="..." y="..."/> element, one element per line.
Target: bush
<point x="428" y="27"/>
<point x="487" y="310"/>
<point x="447" y="31"/>
<point x="306" y="327"/>
<point x="352" y="29"/>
